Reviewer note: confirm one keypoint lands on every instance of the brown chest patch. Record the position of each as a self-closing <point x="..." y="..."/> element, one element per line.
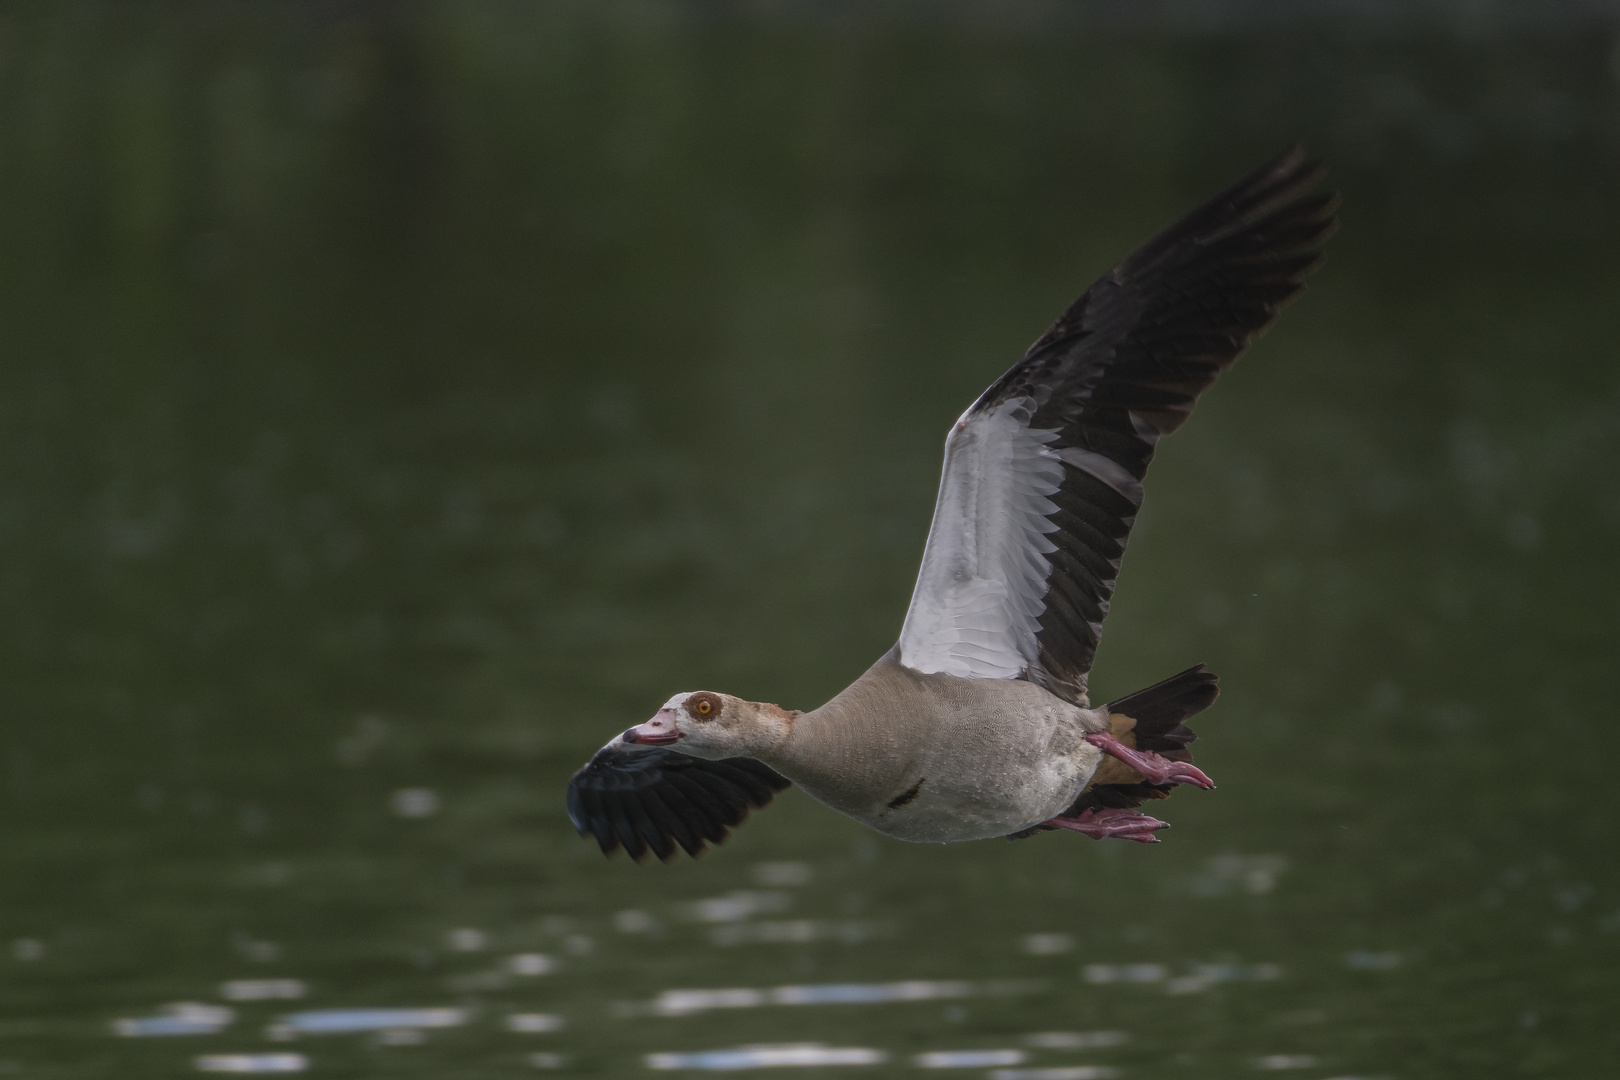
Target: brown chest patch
<point x="787" y="716"/>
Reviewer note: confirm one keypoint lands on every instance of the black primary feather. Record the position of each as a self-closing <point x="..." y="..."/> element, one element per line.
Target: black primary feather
<point x="653" y="800"/>
<point x="1125" y="363"/>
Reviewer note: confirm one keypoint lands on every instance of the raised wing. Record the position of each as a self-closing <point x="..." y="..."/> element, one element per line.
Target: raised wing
<point x="1043" y="475"/>
<point x="651" y="799"/>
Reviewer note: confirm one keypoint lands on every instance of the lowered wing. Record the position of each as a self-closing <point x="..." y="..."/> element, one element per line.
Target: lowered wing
<point x="651" y="799"/>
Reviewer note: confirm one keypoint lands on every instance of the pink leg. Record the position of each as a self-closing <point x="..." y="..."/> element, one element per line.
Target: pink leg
<point x="1158" y="770"/>
<point x="1102" y="824"/>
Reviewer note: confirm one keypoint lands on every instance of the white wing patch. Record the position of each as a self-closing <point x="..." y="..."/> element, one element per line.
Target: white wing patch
<point x="980" y="593"/>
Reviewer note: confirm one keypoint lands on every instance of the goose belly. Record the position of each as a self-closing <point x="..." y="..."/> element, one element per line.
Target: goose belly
<point x="937" y="759"/>
<point x="989" y="791"/>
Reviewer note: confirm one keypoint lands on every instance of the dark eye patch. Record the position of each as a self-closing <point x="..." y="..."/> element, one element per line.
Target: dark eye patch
<point x="703" y="706"/>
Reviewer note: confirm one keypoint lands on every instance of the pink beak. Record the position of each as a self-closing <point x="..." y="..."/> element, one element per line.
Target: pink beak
<point x="659" y="731"/>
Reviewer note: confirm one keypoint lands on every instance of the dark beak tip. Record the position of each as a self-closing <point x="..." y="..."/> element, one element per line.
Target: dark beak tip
<point x="630" y="736"/>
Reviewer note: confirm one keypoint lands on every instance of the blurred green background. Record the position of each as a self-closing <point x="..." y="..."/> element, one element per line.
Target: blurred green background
<point x="398" y="400"/>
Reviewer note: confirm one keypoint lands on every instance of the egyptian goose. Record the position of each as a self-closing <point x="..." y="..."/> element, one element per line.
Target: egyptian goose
<point x="976" y="723"/>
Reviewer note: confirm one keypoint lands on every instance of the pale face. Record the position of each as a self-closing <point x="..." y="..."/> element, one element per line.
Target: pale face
<point x="709" y="725"/>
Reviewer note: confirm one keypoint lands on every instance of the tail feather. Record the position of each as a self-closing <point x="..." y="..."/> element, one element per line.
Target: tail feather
<point x="1160" y="712"/>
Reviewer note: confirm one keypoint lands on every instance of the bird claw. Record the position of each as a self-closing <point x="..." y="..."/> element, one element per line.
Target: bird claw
<point x="1112" y="824"/>
<point x="1156" y="769"/>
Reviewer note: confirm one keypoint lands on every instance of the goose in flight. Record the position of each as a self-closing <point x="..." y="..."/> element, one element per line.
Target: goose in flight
<point x="976" y="723"/>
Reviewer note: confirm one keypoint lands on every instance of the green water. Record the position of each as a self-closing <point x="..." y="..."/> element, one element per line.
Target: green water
<point x="396" y="403"/>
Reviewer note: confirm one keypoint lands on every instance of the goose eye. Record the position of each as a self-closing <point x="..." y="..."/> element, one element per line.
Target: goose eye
<point x="702" y="707"/>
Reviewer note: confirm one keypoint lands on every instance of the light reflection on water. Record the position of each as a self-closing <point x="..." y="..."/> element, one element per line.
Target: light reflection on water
<point x="181" y="1018"/>
<point x="1064" y="1072"/>
<point x="535" y="1023"/>
<point x="1363" y="960"/>
<point x="797" y="931"/>
<point x="1048" y="944"/>
<point x="263" y="989"/>
<point x="1075" y="1040"/>
<point x="346" y="1021"/>
<point x="737" y="906"/>
<point x="1196" y="977"/>
<point x="251" y="1063"/>
<point x="804" y="1055"/>
<point x="967" y="1059"/>
<point x="687" y="1002"/>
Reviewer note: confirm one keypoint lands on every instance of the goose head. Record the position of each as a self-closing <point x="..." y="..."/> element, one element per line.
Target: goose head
<point x="709" y="725"/>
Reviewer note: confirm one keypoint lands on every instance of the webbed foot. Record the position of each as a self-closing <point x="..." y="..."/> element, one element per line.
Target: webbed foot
<point x="1157" y="770"/>
<point x="1120" y="824"/>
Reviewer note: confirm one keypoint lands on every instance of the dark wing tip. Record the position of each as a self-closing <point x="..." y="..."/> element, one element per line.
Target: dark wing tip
<point x="1125" y="364"/>
<point x="1265" y="223"/>
<point x="1274" y="192"/>
<point x="661" y="802"/>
